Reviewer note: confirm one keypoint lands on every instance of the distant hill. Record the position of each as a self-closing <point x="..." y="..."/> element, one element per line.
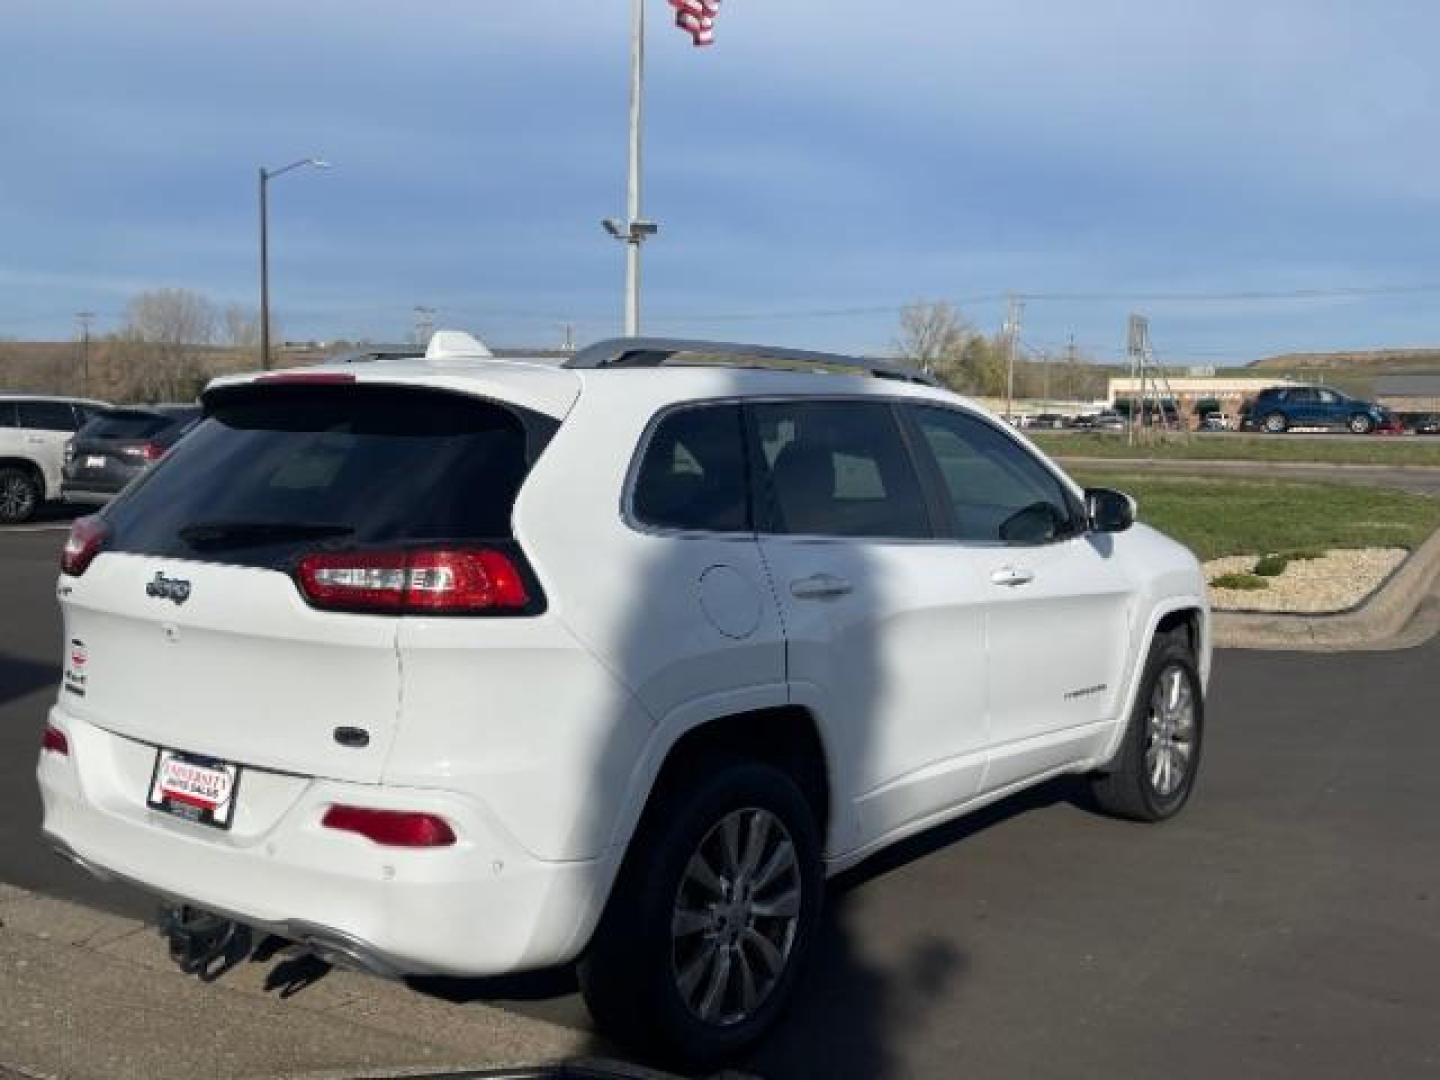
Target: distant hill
<point x="1361" y="363"/>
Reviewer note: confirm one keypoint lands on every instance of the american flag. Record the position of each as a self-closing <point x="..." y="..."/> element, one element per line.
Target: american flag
<point x="697" y="18"/>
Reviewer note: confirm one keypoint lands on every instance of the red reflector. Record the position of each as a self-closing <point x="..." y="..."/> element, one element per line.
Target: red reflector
<point x="393" y="828"/>
<point x="87" y="538"/>
<point x="54" y="740"/>
<point x="302" y="377"/>
<point x="446" y="580"/>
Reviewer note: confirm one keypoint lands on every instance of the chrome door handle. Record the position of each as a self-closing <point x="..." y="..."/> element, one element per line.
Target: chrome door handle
<point x="819" y="587"/>
<point x="1011" y="576"/>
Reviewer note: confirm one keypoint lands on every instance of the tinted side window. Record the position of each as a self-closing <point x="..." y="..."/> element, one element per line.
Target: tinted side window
<point x="8" y="418"/>
<point x="47" y="415"/>
<point x="838" y="468"/>
<point x="693" y="473"/>
<point x="998" y="492"/>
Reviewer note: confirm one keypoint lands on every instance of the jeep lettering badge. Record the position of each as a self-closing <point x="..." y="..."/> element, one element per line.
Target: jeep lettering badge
<point x="165" y="588"/>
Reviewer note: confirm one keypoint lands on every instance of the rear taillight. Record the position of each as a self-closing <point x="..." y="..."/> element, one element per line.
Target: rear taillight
<point x="446" y="581"/>
<point x="147" y="451"/>
<point x="86" y="540"/>
<point x="393" y="828"/>
<point x="55" y="742"/>
<point x="69" y="451"/>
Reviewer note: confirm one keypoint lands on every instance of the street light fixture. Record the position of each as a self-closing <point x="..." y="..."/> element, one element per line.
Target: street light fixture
<point x="266" y="175"/>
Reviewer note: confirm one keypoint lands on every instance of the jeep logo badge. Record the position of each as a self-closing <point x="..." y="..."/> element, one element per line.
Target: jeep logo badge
<point x="166" y="588"/>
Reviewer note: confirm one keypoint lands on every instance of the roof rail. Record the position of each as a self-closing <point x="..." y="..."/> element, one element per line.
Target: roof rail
<point x="655" y="352"/>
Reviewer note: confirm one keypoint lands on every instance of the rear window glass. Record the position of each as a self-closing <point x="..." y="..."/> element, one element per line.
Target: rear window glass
<point x="693" y="475"/>
<point x="124" y="425"/>
<point x="272" y="473"/>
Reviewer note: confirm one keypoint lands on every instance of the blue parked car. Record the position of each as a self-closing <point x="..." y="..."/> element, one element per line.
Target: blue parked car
<point x="1283" y="407"/>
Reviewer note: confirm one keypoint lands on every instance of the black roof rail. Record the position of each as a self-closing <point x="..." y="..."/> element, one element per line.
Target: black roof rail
<point x="654" y="352"/>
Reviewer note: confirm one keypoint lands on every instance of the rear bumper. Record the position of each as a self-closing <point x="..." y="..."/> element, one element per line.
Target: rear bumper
<point x="84" y="495"/>
<point x="481" y="907"/>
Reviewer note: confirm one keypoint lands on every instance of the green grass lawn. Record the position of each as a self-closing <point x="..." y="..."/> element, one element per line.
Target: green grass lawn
<point x="1234" y="516"/>
<point x="1380" y="450"/>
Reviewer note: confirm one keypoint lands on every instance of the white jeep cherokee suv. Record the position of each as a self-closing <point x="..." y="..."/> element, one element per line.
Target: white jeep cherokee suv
<point x="472" y="666"/>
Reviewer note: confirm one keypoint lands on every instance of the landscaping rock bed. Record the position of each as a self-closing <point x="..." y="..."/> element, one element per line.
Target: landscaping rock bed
<point x="1333" y="581"/>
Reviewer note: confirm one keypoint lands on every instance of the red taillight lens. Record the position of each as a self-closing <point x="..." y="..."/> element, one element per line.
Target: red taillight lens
<point x="393" y="828"/>
<point x="87" y="538"/>
<point x="54" y="741"/>
<point x="150" y="451"/>
<point x="437" y="581"/>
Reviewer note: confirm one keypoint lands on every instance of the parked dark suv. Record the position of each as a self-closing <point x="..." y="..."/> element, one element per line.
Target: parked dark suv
<point x="117" y="445"/>
<point x="1283" y="407"/>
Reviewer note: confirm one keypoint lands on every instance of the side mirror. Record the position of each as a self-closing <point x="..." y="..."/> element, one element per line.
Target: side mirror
<point x="1109" y="511"/>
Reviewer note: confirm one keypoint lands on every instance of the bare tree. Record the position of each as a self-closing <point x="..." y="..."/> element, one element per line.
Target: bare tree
<point x="242" y="326"/>
<point x="164" y="336"/>
<point x="932" y="336"/>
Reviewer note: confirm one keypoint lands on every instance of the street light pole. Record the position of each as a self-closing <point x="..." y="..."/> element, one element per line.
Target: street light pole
<point x="632" y="194"/>
<point x="634" y="230"/>
<point x="266" y="175"/>
<point x="264" y="273"/>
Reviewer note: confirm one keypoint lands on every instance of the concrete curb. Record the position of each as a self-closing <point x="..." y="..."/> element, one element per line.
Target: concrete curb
<point x="1382" y="621"/>
<point x="87" y="994"/>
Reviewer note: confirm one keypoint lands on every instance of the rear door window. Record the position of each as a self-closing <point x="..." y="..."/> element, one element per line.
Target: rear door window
<point x="47" y="416"/>
<point x="838" y="468"/>
<point x="276" y="471"/>
<point x="8" y="415"/>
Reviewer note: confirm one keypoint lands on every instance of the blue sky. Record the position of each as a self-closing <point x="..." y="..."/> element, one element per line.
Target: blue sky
<point x="820" y="165"/>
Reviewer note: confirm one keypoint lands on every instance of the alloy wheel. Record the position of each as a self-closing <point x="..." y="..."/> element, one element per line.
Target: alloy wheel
<point x="17" y="498"/>
<point x="1170" y="738"/>
<point x="736" y="914"/>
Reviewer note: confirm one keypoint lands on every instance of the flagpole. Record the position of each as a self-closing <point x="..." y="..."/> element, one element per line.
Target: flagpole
<point x="632" y="202"/>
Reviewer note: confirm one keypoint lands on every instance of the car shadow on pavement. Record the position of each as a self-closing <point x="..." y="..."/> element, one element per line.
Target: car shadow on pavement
<point x="19" y="677"/>
<point x="853" y="1012"/>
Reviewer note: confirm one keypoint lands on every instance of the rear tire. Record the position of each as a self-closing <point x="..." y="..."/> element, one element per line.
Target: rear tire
<point x="1276" y="423"/>
<point x="1154" y="771"/>
<point x="19" y="496"/>
<point x="709" y="925"/>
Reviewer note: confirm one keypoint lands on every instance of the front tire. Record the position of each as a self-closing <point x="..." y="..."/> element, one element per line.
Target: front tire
<point x="1360" y="424"/>
<point x="19" y="496"/>
<point x="712" y="918"/>
<point x="1154" y="772"/>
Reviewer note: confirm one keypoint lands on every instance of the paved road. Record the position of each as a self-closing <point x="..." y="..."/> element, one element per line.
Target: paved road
<point x="1288" y="924"/>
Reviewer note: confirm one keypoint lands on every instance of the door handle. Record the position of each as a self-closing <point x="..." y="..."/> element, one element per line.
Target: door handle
<point x="1011" y="576"/>
<point x="819" y="587"/>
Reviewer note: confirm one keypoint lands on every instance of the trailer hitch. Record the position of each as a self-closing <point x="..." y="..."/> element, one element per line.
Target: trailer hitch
<point x="201" y="942"/>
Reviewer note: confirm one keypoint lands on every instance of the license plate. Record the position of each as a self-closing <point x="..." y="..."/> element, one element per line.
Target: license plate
<point x="95" y="461"/>
<point x="198" y="789"/>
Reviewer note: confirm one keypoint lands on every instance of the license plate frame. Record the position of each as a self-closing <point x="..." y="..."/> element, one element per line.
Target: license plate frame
<point x="203" y="790"/>
<point x="94" y="461"/>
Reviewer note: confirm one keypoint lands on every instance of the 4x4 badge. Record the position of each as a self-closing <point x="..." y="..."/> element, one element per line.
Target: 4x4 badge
<point x="168" y="588"/>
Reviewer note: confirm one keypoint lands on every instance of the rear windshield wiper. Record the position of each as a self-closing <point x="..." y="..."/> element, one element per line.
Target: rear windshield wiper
<point x="215" y="534"/>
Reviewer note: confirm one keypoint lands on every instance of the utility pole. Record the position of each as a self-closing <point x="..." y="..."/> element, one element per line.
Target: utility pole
<point x="85" y="318"/>
<point x="424" y="324"/>
<point x="569" y="343"/>
<point x="1070" y="365"/>
<point x="1014" y="313"/>
<point x="634" y="230"/>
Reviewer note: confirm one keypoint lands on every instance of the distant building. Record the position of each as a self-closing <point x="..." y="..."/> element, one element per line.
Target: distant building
<point x="1408" y="393"/>
<point x="1222" y="393"/>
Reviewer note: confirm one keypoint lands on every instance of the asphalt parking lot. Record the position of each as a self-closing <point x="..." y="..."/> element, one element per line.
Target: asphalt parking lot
<point x="1288" y="924"/>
